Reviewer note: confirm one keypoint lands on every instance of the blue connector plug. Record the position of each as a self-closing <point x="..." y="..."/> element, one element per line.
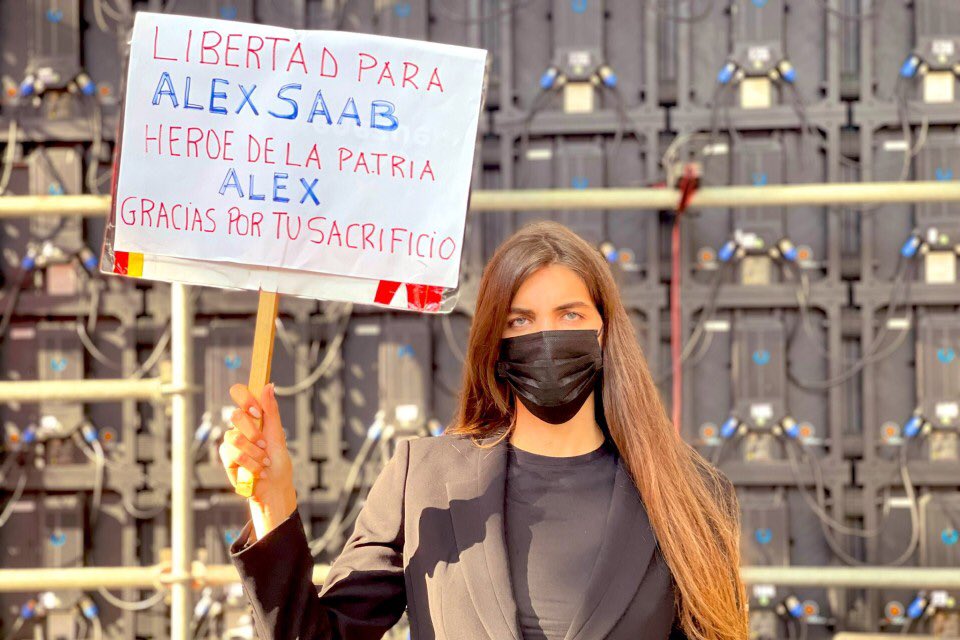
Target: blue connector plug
<point x="89" y="433"/>
<point x="917" y="607"/>
<point x="88" y="260"/>
<point x="28" y="609"/>
<point x="729" y="427"/>
<point x="85" y="84"/>
<point x="727" y="251"/>
<point x="89" y="609"/>
<point x="607" y="76"/>
<point x="910" y="247"/>
<point x="910" y="66"/>
<point x="788" y="250"/>
<point x="794" y="606"/>
<point x="726" y="73"/>
<point x="787" y="71"/>
<point x="549" y="77"/>
<point x="791" y="428"/>
<point x="913" y="426"/>
<point x="27" y="87"/>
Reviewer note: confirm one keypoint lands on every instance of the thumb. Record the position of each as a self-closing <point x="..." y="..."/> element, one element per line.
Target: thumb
<point x="272" y="428"/>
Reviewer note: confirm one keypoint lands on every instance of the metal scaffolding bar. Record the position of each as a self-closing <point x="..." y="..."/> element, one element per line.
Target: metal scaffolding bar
<point x="155" y="576"/>
<point x="651" y="199"/>
<point x="848" y="635"/>
<point x="198" y="576"/>
<point x="769" y="196"/>
<point x="873" y="577"/>
<point x="181" y="489"/>
<point x="86" y="391"/>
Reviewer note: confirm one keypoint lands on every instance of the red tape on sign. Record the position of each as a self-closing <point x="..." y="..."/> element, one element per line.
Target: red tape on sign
<point x="422" y="296"/>
<point x="385" y="291"/>
<point x="120" y="262"/>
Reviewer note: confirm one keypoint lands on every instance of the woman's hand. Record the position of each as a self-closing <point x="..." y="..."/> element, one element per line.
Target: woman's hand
<point x="263" y="452"/>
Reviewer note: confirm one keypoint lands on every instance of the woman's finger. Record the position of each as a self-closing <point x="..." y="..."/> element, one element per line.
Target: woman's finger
<point x="228" y="463"/>
<point x="244" y="399"/>
<point x="241" y="442"/>
<point x="237" y="457"/>
<point x="248" y="426"/>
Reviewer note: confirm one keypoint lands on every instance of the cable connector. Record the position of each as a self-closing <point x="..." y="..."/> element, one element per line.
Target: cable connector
<point x="607" y="76"/>
<point x="89" y="609"/>
<point x="910" y="66"/>
<point x="29" y="260"/>
<point x="728" y="251"/>
<point x="790" y="427"/>
<point x="918" y="606"/>
<point x="911" y="246"/>
<point x="88" y="259"/>
<point x="435" y="427"/>
<point x="729" y="428"/>
<point x="85" y="84"/>
<point x="204" y="603"/>
<point x="913" y="425"/>
<point x="29" y="609"/>
<point x="376" y="429"/>
<point x="609" y="251"/>
<point x="30" y="434"/>
<point x="727" y="72"/>
<point x="793" y="606"/>
<point x="549" y="78"/>
<point x="786" y="71"/>
<point x="202" y="433"/>
<point x="89" y="433"/>
<point x="28" y="86"/>
<point x="787" y="249"/>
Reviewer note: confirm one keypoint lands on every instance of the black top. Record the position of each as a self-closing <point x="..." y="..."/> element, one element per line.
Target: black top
<point x="555" y="512"/>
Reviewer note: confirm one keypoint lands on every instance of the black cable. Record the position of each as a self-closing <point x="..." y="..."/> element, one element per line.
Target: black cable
<point x="807" y="130"/>
<point x="873" y="14"/>
<point x="791" y="631"/>
<point x="818" y="505"/>
<point x="873" y="352"/>
<point x="199" y="626"/>
<point x="828" y="532"/>
<point x="12" y="296"/>
<point x="623" y="121"/>
<point x="717" y="456"/>
<point x="91" y="179"/>
<point x="705" y="316"/>
<point x="494" y="15"/>
<point x="539" y="101"/>
<point x="719" y="93"/>
<point x="804" y="318"/>
<point x="695" y="17"/>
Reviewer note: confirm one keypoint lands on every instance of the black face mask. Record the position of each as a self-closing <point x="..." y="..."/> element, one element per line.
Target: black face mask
<point x="552" y="372"/>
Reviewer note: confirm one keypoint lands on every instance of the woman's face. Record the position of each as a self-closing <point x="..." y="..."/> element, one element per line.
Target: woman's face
<point x="553" y="297"/>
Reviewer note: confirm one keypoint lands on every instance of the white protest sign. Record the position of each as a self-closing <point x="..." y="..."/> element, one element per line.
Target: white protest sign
<point x="319" y="151"/>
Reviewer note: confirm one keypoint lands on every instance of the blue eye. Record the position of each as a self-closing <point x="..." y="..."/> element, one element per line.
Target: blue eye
<point x="511" y="323"/>
<point x="574" y="314"/>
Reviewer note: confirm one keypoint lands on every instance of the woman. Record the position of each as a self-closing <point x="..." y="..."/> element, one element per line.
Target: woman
<point x="575" y="513"/>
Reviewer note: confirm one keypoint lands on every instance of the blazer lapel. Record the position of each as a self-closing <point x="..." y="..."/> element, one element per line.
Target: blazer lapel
<point x="476" y="508"/>
<point x="625" y="552"/>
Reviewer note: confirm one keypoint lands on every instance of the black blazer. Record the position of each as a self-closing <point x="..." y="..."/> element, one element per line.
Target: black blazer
<point x="430" y="539"/>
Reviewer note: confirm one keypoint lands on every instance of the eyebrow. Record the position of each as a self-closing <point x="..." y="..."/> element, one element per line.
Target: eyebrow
<point x="562" y="307"/>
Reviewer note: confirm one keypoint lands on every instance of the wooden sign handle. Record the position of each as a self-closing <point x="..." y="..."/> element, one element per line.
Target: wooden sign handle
<point x="260" y="363"/>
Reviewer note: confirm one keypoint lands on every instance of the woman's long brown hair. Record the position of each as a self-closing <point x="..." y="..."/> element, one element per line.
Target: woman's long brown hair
<point x="692" y="509"/>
